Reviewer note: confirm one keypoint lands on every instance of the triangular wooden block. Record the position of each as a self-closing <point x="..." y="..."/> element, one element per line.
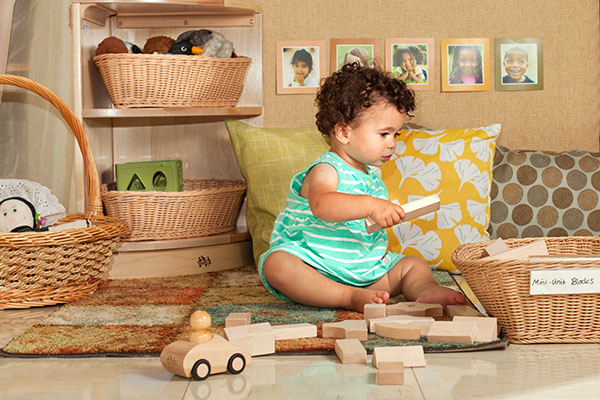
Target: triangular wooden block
<point x="411" y="356"/>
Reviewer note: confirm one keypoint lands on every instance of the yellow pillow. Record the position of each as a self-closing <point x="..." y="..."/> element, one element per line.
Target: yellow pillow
<point x="268" y="158"/>
<point x="455" y="164"/>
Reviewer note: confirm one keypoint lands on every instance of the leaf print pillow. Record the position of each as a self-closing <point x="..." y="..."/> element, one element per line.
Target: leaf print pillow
<point x="455" y="164"/>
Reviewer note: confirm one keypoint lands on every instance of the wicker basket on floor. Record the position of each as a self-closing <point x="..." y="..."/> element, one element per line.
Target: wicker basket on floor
<point x="162" y="80"/>
<point x="46" y="268"/>
<point x="503" y="287"/>
<point x="205" y="207"/>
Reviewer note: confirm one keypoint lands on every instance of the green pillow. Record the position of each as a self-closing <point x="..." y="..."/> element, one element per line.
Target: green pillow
<point x="268" y="158"/>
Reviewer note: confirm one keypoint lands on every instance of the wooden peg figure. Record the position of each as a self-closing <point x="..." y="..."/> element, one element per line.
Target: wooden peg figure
<point x="200" y="322"/>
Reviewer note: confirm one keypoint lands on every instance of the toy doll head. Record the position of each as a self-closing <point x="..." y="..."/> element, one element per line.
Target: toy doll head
<point x="16" y="215"/>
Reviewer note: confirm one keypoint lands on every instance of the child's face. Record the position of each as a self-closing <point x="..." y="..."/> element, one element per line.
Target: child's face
<point x="467" y="62"/>
<point x="300" y="70"/>
<point x="372" y="140"/>
<point x="408" y="61"/>
<point x="515" y="64"/>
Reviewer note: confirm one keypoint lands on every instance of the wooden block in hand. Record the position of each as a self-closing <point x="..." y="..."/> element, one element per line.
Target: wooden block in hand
<point x="487" y="327"/>
<point x="237" y="319"/>
<point x="415" y="309"/>
<point x="390" y="373"/>
<point x="412" y="210"/>
<point x="536" y="248"/>
<point x="411" y="356"/>
<point x="349" y="329"/>
<point x="454" y="332"/>
<point x="350" y="351"/>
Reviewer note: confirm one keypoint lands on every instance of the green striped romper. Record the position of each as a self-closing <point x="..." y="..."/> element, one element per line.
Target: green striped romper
<point x="342" y="251"/>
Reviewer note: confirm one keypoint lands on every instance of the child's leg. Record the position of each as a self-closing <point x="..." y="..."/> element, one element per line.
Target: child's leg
<point x="302" y="283"/>
<point x="412" y="277"/>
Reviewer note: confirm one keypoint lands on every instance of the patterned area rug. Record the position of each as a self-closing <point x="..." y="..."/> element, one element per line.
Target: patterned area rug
<point x="138" y="317"/>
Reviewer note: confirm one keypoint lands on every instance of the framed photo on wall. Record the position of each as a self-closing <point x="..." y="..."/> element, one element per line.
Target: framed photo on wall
<point x="465" y="65"/>
<point x="300" y="66"/>
<point x="345" y="51"/>
<point x="411" y="60"/>
<point x="519" y="64"/>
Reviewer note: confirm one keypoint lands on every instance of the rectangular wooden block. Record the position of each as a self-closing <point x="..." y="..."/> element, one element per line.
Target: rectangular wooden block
<point x="237" y="319"/>
<point x="495" y="247"/>
<point x="372" y="311"/>
<point x="412" y="210"/>
<point x="390" y="373"/>
<point x="294" y="331"/>
<point x="259" y="339"/>
<point x="536" y="248"/>
<point x="350" y="351"/>
<point x="411" y="356"/>
<point x="400" y="318"/>
<point x="349" y="329"/>
<point x="464" y="310"/>
<point x="452" y="332"/>
<point x="487" y="327"/>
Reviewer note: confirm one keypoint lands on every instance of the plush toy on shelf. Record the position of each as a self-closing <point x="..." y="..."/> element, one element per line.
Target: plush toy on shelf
<point x="185" y="48"/>
<point x="18" y="215"/>
<point x="213" y="43"/>
<point x="111" y="44"/>
<point x="158" y="44"/>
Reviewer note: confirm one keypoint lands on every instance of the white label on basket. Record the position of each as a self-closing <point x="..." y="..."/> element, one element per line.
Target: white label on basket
<point x="564" y="281"/>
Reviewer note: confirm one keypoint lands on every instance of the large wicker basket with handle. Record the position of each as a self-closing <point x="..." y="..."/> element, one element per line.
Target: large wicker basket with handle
<point x="503" y="288"/>
<point x="45" y="268"/>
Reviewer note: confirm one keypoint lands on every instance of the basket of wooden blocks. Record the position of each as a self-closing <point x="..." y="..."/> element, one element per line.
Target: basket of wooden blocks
<point x="541" y="290"/>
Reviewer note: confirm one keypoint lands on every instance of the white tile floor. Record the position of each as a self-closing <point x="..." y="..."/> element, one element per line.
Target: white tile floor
<point x="565" y="371"/>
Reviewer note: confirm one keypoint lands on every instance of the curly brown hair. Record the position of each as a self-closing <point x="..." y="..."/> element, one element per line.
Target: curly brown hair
<point x="347" y="93"/>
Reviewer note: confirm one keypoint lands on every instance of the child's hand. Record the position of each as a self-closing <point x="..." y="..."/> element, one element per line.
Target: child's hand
<point x="385" y="213"/>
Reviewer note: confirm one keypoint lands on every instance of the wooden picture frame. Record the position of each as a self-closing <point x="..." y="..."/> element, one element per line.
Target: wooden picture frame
<point x="420" y="51"/>
<point x="302" y="53"/>
<point x="471" y="75"/>
<point x="522" y="56"/>
<point x="342" y="51"/>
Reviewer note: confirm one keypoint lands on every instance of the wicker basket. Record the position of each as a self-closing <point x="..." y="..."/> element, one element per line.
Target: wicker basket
<point x="502" y="286"/>
<point x="45" y="268"/>
<point x="161" y="80"/>
<point x="205" y="207"/>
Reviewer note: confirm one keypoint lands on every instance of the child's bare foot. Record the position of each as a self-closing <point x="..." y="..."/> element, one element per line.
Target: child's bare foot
<point x="360" y="297"/>
<point x="441" y="295"/>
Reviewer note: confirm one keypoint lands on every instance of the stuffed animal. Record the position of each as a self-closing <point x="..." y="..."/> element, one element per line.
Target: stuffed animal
<point x="111" y="44"/>
<point x="133" y="48"/>
<point x="213" y="43"/>
<point x="158" y="44"/>
<point x="18" y="215"/>
<point x="185" y="48"/>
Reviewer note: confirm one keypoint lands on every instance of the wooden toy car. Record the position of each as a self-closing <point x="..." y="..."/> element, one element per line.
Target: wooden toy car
<point x="199" y="360"/>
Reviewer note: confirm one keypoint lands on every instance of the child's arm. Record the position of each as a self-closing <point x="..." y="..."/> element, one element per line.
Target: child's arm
<point x="326" y="203"/>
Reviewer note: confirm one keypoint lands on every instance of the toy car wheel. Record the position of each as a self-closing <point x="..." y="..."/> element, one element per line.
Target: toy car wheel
<point x="201" y="370"/>
<point x="236" y="364"/>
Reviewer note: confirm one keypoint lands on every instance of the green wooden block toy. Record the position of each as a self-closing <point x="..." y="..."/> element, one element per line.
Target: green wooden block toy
<point x="144" y="176"/>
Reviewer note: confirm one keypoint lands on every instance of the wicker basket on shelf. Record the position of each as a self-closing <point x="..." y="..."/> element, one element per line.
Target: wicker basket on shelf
<point x="46" y="268"/>
<point x="163" y="80"/>
<point x="503" y="288"/>
<point x="204" y="207"/>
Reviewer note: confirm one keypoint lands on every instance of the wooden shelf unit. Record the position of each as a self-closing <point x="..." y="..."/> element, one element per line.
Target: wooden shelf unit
<point x="197" y="136"/>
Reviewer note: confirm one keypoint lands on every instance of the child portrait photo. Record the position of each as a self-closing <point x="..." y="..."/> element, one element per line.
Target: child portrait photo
<point x="346" y="51"/>
<point x="518" y="64"/>
<point x="300" y="66"/>
<point x="465" y="65"/>
<point x="411" y="61"/>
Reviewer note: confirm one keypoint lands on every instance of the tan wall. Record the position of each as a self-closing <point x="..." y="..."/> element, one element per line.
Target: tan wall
<point x="564" y="115"/>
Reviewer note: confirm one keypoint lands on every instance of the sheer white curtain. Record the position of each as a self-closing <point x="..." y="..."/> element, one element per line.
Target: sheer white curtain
<point x="35" y="143"/>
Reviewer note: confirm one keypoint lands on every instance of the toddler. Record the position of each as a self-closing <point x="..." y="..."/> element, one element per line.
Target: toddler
<point x="466" y="66"/>
<point x="410" y="60"/>
<point x="320" y="253"/>
<point x="516" y="62"/>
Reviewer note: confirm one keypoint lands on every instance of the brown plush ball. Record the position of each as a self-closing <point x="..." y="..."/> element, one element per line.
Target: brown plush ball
<point x="111" y="44"/>
<point x="158" y="44"/>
